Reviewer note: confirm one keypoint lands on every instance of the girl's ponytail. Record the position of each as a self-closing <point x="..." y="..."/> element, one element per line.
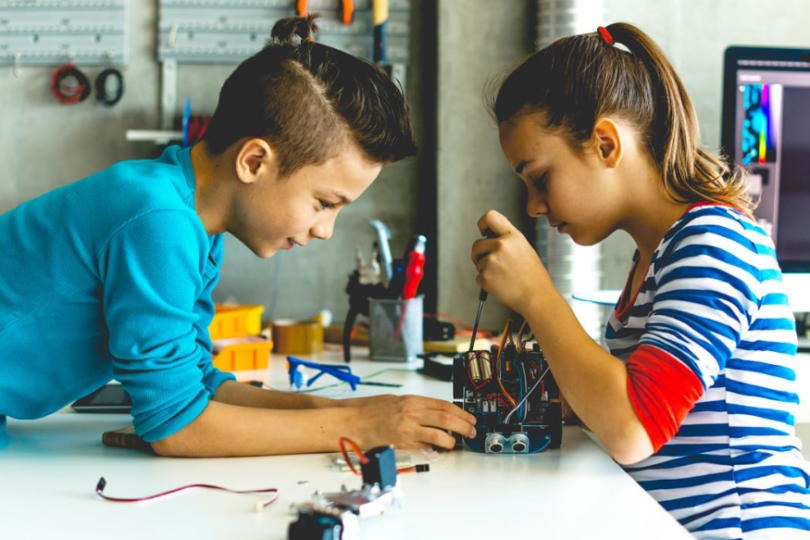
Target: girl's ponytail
<point x="689" y="173"/>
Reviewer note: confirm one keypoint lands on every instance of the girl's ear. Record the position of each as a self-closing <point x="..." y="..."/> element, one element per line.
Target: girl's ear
<point x="608" y="141"/>
<point x="253" y="159"/>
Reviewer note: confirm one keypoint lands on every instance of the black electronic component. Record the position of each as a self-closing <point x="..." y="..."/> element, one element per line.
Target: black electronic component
<point x="514" y="398"/>
<point x="315" y="526"/>
<point x="439" y="366"/>
<point x="381" y="468"/>
<point x="436" y="330"/>
<point x="110" y="398"/>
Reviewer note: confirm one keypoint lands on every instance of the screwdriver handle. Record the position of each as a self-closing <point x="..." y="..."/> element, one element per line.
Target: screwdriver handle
<point x="483" y="296"/>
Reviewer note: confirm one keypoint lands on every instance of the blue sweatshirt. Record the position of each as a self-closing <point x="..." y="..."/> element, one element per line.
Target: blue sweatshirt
<point x="110" y="278"/>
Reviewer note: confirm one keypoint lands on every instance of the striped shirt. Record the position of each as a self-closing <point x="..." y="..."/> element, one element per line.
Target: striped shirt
<point x="713" y="302"/>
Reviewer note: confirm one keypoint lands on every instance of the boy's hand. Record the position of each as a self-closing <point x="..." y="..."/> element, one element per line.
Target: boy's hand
<point x="410" y="422"/>
<point x="364" y="401"/>
<point x="508" y="266"/>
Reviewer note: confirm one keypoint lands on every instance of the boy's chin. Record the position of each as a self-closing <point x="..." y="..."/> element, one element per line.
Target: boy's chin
<point x="264" y="252"/>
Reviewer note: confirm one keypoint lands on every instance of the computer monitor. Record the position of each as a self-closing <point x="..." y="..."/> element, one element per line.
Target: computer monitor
<point x="766" y="129"/>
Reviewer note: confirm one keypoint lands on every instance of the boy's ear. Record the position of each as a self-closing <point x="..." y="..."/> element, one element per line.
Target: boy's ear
<point x="254" y="158"/>
<point x="608" y="141"/>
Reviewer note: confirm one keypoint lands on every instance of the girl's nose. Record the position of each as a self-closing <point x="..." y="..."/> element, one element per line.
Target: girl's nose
<point x="536" y="204"/>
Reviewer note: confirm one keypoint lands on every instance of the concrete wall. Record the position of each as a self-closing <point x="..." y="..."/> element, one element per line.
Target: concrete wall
<point x="473" y="176"/>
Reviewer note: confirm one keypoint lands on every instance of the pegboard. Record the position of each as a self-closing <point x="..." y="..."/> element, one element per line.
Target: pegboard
<point x="51" y="32"/>
<point x="229" y="31"/>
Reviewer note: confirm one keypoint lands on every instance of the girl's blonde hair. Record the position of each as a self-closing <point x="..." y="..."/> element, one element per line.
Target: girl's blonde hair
<point x="578" y="79"/>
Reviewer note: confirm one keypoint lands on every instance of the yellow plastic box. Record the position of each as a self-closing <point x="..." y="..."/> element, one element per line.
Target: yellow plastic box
<point x="232" y="322"/>
<point x="246" y="353"/>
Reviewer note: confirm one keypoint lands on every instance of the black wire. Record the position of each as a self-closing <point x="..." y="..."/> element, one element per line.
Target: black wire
<point x="101" y="87"/>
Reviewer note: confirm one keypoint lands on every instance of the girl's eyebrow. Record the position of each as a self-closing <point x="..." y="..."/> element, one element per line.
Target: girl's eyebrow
<point x="521" y="166"/>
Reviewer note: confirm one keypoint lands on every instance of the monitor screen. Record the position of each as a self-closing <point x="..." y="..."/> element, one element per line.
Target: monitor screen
<point x="766" y="129"/>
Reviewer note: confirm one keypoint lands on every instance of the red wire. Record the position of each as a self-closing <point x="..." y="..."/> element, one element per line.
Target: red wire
<point x="363" y="459"/>
<point x="76" y="93"/>
<point x="102" y="483"/>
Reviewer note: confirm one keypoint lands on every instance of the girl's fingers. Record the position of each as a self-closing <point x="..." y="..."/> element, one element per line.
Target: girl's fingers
<point x="481" y="248"/>
<point x="495" y="222"/>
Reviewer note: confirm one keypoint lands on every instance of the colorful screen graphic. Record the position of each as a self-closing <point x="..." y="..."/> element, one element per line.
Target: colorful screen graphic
<point x="758" y="130"/>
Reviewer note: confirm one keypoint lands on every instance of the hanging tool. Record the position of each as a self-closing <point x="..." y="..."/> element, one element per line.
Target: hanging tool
<point x="380" y="13"/>
<point x="383" y="236"/>
<point x="482" y="297"/>
<point x="364" y="283"/>
<point x="348" y="10"/>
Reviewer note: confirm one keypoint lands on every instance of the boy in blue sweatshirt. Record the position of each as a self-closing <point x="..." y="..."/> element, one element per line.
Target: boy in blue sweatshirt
<point x="113" y="274"/>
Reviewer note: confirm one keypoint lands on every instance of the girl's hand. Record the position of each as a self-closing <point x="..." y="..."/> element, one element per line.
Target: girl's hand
<point x="410" y="423"/>
<point x="508" y="266"/>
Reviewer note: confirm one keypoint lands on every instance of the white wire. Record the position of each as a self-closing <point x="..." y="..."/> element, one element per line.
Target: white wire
<point x="536" y="384"/>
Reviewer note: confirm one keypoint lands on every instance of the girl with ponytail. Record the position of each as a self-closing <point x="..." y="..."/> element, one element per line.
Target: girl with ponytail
<point x="119" y="267"/>
<point x="696" y="394"/>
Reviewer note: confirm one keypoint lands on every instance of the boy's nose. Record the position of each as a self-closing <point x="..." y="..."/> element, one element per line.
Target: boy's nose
<point x="323" y="229"/>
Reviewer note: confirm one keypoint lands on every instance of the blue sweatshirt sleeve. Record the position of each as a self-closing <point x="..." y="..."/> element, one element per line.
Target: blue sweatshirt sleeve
<point x="152" y="269"/>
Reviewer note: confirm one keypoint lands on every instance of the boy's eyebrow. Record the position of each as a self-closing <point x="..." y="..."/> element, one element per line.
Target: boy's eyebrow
<point x="342" y="198"/>
<point x="521" y="165"/>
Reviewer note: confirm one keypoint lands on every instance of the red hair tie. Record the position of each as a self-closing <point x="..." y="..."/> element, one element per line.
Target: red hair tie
<point x="605" y="35"/>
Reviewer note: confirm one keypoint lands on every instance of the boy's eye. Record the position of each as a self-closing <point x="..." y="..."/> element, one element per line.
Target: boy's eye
<point x="326" y="205"/>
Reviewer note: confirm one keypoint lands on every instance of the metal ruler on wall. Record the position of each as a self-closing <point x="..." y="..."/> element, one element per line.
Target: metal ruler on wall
<point x="52" y="32"/>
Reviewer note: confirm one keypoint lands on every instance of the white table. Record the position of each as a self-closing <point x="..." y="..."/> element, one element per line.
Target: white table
<point x="49" y="469"/>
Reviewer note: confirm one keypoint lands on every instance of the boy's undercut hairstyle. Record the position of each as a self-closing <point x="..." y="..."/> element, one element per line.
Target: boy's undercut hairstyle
<point x="579" y="79"/>
<point x="310" y="101"/>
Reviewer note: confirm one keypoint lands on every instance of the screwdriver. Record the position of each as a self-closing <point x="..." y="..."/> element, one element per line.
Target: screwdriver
<point x="482" y="297"/>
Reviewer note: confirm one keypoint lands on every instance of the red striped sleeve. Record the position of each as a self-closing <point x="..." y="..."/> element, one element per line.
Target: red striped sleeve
<point x="662" y="391"/>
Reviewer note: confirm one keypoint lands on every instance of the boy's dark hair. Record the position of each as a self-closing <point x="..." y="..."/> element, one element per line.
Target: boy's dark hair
<point x="309" y="101"/>
<point x="578" y="79"/>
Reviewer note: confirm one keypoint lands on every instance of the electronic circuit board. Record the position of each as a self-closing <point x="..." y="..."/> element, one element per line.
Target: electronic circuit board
<point x="491" y="386"/>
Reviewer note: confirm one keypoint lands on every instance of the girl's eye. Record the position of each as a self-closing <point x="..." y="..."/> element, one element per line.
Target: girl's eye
<point x="540" y="183"/>
<point x="326" y="205"/>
